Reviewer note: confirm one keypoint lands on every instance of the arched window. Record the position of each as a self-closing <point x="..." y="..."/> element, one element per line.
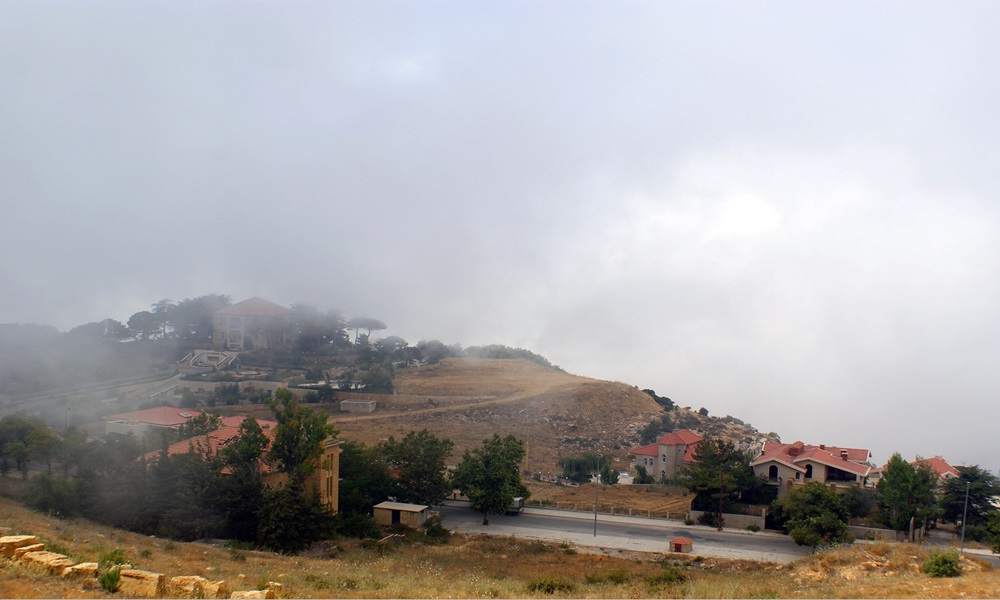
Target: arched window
<point x="809" y="471"/>
<point x="663" y="458"/>
<point x="772" y="473"/>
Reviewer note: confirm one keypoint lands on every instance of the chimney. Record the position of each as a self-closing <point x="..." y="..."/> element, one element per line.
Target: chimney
<point x="822" y="446"/>
<point x="843" y="454"/>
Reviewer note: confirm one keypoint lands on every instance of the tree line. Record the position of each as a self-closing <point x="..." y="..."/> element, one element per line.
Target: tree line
<point x="198" y="494"/>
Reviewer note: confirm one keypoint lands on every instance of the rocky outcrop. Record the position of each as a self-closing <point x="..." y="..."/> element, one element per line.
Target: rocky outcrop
<point x="136" y="583"/>
<point x="82" y="570"/>
<point x="255" y="594"/>
<point x="50" y="561"/>
<point x="10" y="543"/>
<point x="193" y="586"/>
<point x="26" y="549"/>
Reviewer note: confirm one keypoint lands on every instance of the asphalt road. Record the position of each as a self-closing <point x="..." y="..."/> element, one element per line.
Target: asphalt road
<point x="625" y="533"/>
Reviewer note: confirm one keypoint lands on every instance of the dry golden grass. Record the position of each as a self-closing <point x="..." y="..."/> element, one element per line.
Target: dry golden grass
<point x="484" y="567"/>
<point x="622" y="497"/>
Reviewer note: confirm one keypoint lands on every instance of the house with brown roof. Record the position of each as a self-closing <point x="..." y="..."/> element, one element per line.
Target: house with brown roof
<point x="664" y="458"/>
<point x="324" y="479"/>
<point x="252" y="324"/>
<point x="785" y="465"/>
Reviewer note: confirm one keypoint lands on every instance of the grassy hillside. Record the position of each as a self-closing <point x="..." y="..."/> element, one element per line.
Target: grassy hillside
<point x="558" y="414"/>
<point x="482" y="567"/>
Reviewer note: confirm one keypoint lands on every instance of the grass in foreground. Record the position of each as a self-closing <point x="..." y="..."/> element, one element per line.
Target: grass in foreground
<point x="484" y="567"/>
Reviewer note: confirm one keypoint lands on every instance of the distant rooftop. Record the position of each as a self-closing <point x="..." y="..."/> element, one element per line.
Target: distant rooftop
<point x="254" y="307"/>
<point x="160" y="416"/>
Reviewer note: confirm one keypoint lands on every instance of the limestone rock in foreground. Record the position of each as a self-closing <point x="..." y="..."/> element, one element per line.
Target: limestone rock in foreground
<point x="50" y="561"/>
<point x="255" y="594"/>
<point x="87" y="569"/>
<point x="193" y="586"/>
<point x="10" y="543"/>
<point x="136" y="583"/>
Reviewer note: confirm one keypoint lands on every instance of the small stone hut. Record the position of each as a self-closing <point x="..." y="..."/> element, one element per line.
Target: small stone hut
<point x="681" y="544"/>
<point x="399" y="513"/>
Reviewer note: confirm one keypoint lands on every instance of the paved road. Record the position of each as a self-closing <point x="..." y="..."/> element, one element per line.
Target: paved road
<point x="625" y="533"/>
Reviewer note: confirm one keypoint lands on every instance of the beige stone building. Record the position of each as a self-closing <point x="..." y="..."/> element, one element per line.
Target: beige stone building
<point x="665" y="458"/>
<point x="785" y="465"/>
<point x="253" y="324"/>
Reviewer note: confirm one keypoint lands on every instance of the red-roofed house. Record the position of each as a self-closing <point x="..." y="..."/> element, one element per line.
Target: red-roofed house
<point x="664" y="458"/>
<point x="939" y="465"/>
<point x="253" y="324"/>
<point x="785" y="465"/>
<point x="324" y="480"/>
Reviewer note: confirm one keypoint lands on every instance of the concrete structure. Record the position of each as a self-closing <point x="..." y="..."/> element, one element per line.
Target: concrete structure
<point x="785" y="465"/>
<point x="357" y="406"/>
<point x="398" y="513"/>
<point x="665" y="458"/>
<point x="681" y="544"/>
<point x="253" y="324"/>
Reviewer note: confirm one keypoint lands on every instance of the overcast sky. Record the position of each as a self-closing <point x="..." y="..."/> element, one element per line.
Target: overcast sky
<point x="782" y="211"/>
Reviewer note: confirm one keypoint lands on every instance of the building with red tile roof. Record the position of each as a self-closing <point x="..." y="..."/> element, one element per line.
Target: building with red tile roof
<point x="785" y="465"/>
<point x="664" y="458"/>
<point x="940" y="466"/>
<point x="324" y="480"/>
<point x="252" y="324"/>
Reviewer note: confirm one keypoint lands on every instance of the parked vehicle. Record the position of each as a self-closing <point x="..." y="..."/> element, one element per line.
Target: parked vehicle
<point x="516" y="506"/>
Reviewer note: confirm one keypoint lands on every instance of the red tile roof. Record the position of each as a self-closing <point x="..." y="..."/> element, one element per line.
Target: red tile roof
<point x="254" y="307"/>
<point x="939" y="465"/>
<point x="845" y="459"/>
<point x="684" y="437"/>
<point x="213" y="441"/>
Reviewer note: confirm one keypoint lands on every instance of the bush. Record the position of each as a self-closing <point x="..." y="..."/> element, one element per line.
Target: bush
<point x="710" y="519"/>
<point x="110" y="578"/>
<point x="753" y="527"/>
<point x="942" y="564"/>
<point x="669" y="576"/>
<point x="550" y="585"/>
<point x="357" y="525"/>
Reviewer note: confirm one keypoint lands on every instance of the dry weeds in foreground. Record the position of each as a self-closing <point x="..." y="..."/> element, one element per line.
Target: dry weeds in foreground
<point x="483" y="567"/>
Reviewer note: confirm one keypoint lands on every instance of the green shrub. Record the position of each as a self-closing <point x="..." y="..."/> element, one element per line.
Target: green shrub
<point x="109" y="558"/>
<point x="551" y="585"/>
<point x="942" y="564"/>
<point x="753" y="527"/>
<point x="434" y="529"/>
<point x="109" y="578"/>
<point x="669" y="576"/>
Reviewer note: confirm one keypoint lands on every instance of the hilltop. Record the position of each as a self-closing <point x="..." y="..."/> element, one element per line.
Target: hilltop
<point x="556" y="413"/>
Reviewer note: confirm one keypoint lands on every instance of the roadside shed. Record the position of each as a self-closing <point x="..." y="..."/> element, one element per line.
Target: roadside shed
<point x="399" y="513"/>
<point x="681" y="544"/>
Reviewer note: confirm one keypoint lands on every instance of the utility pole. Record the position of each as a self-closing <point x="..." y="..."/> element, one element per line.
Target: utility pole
<point x="597" y="489"/>
<point x="965" y="511"/>
<point x="720" y="498"/>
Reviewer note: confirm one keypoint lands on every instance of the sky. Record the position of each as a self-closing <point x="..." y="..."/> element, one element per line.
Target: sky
<point x="780" y="211"/>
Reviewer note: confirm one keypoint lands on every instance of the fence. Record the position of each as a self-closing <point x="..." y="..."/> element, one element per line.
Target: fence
<point x="606" y="510"/>
<point x="736" y="521"/>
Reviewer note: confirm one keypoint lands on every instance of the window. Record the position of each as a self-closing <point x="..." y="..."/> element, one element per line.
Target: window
<point x="809" y="471"/>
